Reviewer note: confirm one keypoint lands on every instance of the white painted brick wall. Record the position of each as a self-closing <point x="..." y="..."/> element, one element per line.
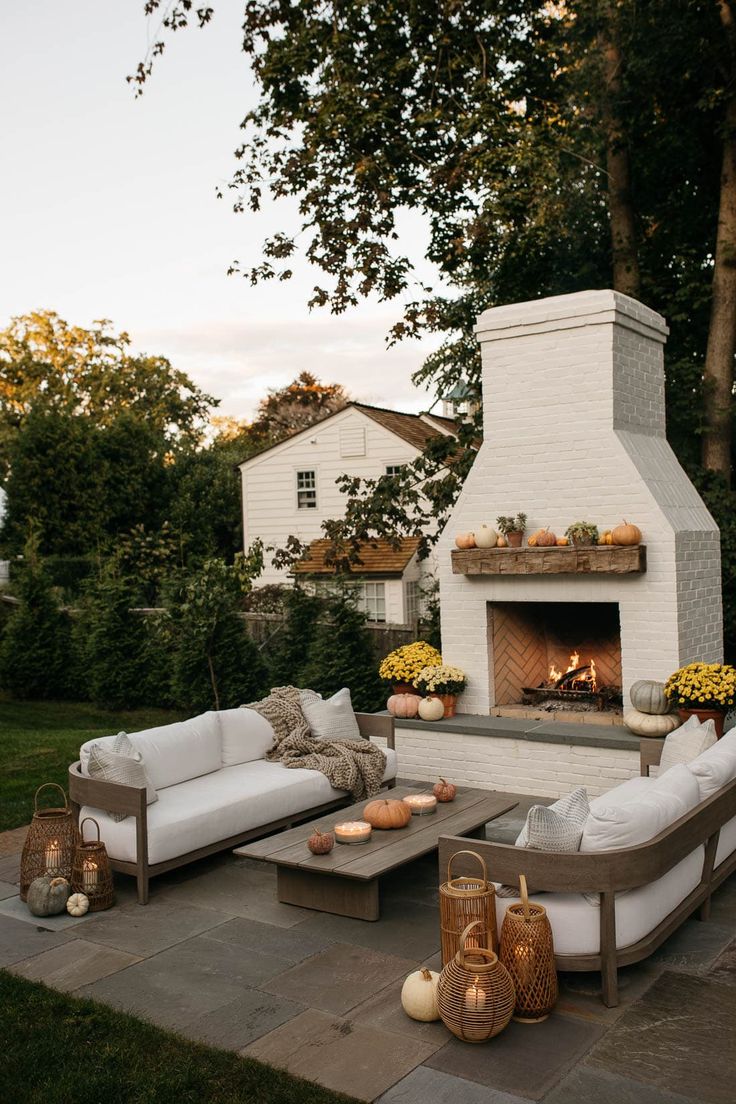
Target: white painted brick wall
<point x="574" y="423"/>
<point x="520" y="766"/>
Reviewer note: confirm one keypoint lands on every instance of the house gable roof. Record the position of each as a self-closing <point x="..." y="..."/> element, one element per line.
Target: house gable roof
<point x="378" y="557"/>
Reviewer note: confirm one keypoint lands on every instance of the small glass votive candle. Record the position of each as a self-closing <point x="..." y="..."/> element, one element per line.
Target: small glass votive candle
<point x="353" y="831"/>
<point x="421" y="804"/>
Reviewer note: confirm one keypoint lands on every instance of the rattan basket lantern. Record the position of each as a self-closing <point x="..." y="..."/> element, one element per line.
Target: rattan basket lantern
<point x="91" y="873"/>
<point x="475" y="993"/>
<point x="527" y="951"/>
<point x="50" y="843"/>
<point x="464" y="901"/>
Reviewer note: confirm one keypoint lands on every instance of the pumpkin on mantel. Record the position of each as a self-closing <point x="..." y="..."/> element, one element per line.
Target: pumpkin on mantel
<point x="403" y="705"/>
<point x="465" y="540"/>
<point x="485" y="537"/>
<point x="626" y="534"/>
<point x="651" y="724"/>
<point x="649" y="697"/>
<point x="385" y="814"/>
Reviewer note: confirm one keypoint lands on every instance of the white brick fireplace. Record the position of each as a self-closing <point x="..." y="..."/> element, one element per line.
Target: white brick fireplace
<point x="574" y="429"/>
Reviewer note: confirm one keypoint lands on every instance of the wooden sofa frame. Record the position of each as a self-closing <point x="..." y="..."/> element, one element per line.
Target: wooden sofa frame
<point x="132" y="800"/>
<point x="610" y="872"/>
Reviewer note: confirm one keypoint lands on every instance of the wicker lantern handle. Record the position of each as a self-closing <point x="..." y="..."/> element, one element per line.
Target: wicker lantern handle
<point x="524" y="897"/>
<point x="45" y="786"/>
<point x="81" y="828"/>
<point x="464" y="936"/>
<point x="475" y="856"/>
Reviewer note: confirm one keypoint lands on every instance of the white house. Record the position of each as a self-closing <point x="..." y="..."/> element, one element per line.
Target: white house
<point x="290" y="488"/>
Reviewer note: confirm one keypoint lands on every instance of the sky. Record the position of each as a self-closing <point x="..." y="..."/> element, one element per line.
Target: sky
<point x="108" y="209"/>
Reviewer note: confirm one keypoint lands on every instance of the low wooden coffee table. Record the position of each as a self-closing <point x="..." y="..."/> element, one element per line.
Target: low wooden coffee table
<point x="345" y="882"/>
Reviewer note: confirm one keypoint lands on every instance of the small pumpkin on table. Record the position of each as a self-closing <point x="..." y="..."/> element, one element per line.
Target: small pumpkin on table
<point x="387" y="814"/>
<point x="321" y="843"/>
<point x="444" y="790"/>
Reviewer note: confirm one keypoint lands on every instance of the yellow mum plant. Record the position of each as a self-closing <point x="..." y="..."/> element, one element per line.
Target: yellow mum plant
<point x="405" y="663"/>
<point x="703" y="686"/>
<point x="441" y="679"/>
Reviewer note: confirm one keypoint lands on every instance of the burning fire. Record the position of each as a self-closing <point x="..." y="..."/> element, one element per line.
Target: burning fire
<point x="585" y="678"/>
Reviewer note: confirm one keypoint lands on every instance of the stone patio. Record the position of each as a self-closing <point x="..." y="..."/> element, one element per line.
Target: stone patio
<point x="215" y="957"/>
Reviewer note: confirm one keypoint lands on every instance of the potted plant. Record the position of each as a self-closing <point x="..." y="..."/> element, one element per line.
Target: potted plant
<point x="582" y="533"/>
<point x="704" y="690"/>
<point x="512" y="529"/>
<point x="443" y="682"/>
<point x="402" y="666"/>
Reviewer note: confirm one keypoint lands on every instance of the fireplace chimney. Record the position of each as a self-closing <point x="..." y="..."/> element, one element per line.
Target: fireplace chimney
<point x="574" y="429"/>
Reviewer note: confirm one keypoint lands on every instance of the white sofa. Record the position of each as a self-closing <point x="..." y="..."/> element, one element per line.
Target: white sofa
<point x="653" y="851"/>
<point x="214" y="787"/>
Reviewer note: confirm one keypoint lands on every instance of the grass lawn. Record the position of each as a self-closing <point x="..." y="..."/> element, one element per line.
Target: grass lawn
<point x="58" y="1049"/>
<point x="38" y="741"/>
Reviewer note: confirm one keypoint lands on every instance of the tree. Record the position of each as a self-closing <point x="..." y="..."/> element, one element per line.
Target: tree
<point x="342" y="654"/>
<point x="297" y="406"/>
<point x="112" y="642"/>
<point x="74" y="370"/>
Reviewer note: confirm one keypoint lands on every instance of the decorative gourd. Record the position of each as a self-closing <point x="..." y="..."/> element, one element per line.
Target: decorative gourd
<point x="485" y="537"/>
<point x="419" y="995"/>
<point x="403" y="705"/>
<point x="502" y="543"/>
<point x="444" y="791"/>
<point x="562" y="541"/>
<point x="321" y="843"/>
<point x="431" y="709"/>
<point x="465" y="540"/>
<point x="48" y="896"/>
<point x="626" y="534"/>
<point x="545" y="539"/>
<point x="77" y="904"/>
<point x="532" y="542"/>
<point x="387" y="814"/>
<point x="649" y="697"/>
<point x="651" y="724"/>
<point x="605" y="538"/>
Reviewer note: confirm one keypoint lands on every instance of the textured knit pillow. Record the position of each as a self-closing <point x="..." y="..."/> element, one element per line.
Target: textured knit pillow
<point x="332" y="719"/>
<point x="120" y="762"/>
<point x="687" y="743"/>
<point x="556" y="827"/>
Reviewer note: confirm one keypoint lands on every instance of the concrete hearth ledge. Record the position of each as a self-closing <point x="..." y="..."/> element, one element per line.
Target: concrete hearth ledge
<point x="547" y="732"/>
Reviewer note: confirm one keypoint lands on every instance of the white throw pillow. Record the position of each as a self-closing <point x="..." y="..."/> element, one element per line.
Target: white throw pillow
<point x="120" y="762"/>
<point x="246" y="735"/>
<point x="332" y="719"/>
<point x="556" y="827"/>
<point x="687" y="743"/>
<point x="716" y="767"/>
<point x="625" y="822"/>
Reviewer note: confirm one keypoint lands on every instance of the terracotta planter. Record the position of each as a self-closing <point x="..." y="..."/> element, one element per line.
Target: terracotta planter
<point x="582" y="542"/>
<point x="448" y="700"/>
<point x="514" y="539"/>
<point x="404" y="688"/>
<point x="716" y="715"/>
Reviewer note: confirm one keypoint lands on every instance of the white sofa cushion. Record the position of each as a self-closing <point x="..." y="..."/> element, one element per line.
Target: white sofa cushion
<point x="726" y="841"/>
<point x="716" y="767"/>
<point x="687" y="743"/>
<point x="618" y="819"/>
<point x="245" y="734"/>
<point x="332" y="718"/>
<point x="219" y="805"/>
<point x="172" y="753"/>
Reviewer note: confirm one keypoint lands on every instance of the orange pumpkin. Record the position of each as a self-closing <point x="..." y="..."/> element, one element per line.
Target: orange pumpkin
<point x="562" y="541"/>
<point x="532" y="542"/>
<point x="502" y="543"/>
<point x="465" y="540"/>
<point x="444" y="791"/>
<point x="545" y="539"/>
<point x="403" y="705"/>
<point x="626" y="534"/>
<point x="387" y="814"/>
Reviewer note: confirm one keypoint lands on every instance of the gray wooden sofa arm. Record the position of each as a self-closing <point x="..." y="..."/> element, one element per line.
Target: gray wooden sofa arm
<point x="377" y="725"/>
<point x="650" y="753"/>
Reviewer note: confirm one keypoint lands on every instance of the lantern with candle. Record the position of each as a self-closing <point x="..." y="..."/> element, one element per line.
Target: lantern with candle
<point x="91" y="873"/>
<point x="528" y="953"/>
<point x="50" y="843"/>
<point x="465" y="899"/>
<point x="475" y="993"/>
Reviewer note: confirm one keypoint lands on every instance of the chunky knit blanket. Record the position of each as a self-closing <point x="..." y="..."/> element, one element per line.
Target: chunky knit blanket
<point x="356" y="766"/>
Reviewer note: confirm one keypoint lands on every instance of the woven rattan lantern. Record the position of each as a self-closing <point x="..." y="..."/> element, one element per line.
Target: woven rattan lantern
<point x="464" y="901"/>
<point x="527" y="951"/>
<point x="475" y="993"/>
<point x="50" y="843"/>
<point x="91" y="873"/>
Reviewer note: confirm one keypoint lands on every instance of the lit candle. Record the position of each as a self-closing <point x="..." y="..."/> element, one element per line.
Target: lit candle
<point x="475" y="998"/>
<point x="53" y="857"/>
<point x="89" y="875"/>
<point x="421" y="804"/>
<point x="523" y="963"/>
<point x="353" y="831"/>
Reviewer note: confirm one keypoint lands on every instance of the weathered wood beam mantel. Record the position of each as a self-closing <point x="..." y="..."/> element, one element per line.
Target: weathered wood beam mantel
<point x="563" y="560"/>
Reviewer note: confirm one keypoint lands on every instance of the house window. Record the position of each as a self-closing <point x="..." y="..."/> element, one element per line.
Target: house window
<point x="372" y="597"/>
<point x="306" y="490"/>
<point x="413" y="600"/>
<point x="394" y="469"/>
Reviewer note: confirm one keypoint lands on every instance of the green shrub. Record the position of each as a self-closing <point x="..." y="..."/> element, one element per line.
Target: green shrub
<point x="291" y="644"/>
<point x="111" y="645"/>
<point x="342" y="654"/>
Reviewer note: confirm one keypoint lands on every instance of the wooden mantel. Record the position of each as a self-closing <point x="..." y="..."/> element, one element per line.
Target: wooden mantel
<point x="561" y="560"/>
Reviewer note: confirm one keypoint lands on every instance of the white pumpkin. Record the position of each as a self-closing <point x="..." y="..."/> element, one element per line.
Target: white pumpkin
<point x="485" y="537"/>
<point x="77" y="904"/>
<point x="651" y="724"/>
<point x="419" y="995"/>
<point x="649" y="697"/>
<point x="431" y="709"/>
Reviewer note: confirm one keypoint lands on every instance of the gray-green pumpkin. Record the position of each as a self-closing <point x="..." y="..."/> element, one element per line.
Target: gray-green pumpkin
<point x="649" y="697"/>
<point x="48" y="896"/>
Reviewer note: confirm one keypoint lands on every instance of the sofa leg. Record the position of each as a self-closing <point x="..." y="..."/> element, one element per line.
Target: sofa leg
<point x="704" y="910"/>
<point x="391" y="784"/>
<point x="142" y="882"/>
<point x="609" y="980"/>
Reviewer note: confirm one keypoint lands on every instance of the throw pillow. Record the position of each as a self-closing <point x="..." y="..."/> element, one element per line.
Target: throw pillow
<point x="556" y="827"/>
<point x="687" y="743"/>
<point x="332" y="719"/>
<point x="121" y="763"/>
